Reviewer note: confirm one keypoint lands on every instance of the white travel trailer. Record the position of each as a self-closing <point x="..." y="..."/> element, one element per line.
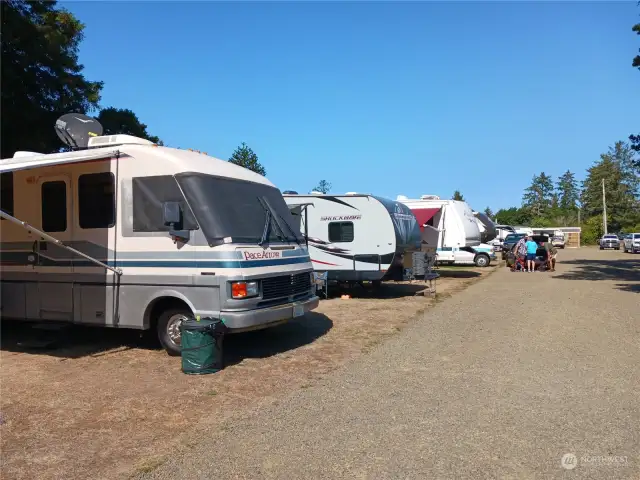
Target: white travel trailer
<point x="124" y="233"/>
<point x="449" y="227"/>
<point x="356" y="237"/>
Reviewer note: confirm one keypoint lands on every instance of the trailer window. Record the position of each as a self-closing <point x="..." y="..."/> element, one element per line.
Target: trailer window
<point x="341" y="232"/>
<point x="96" y="200"/>
<point x="54" y="206"/>
<point x="6" y="192"/>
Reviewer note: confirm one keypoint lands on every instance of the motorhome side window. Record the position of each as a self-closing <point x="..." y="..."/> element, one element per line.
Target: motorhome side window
<point x="341" y="232"/>
<point x="96" y="200"/>
<point x="149" y="194"/>
<point x="6" y="192"/>
<point x="54" y="206"/>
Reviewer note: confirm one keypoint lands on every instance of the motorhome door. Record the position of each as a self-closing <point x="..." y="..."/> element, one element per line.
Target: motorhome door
<point x="53" y="265"/>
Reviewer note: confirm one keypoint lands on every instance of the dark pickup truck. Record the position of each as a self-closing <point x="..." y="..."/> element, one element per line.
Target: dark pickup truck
<point x="509" y="242"/>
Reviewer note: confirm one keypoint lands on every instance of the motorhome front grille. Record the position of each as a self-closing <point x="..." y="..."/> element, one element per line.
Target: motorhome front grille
<point x="286" y="285"/>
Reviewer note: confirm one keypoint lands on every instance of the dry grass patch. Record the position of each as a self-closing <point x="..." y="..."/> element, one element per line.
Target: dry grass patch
<point x="102" y="405"/>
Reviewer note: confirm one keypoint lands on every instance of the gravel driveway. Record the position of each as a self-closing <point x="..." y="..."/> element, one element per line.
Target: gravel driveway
<point x="499" y="381"/>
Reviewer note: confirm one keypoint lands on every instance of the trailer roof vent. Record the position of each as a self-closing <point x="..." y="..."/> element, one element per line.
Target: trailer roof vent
<point x="110" y="140"/>
<point x="290" y="192"/>
<point x="315" y="192"/>
<point x="351" y="193"/>
<point x="401" y="198"/>
<point x="429" y="197"/>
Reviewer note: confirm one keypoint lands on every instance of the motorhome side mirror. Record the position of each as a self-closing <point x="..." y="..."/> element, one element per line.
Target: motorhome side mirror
<point x="171" y="214"/>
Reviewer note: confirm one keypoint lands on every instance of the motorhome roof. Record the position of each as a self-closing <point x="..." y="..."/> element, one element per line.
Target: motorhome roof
<point x="314" y="195"/>
<point x="181" y="160"/>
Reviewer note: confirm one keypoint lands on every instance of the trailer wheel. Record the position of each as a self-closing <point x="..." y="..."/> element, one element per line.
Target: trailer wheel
<point x="168" y="326"/>
<point x="482" y="260"/>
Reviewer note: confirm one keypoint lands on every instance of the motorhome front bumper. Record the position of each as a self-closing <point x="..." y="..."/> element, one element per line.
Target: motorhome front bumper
<point x="239" y="321"/>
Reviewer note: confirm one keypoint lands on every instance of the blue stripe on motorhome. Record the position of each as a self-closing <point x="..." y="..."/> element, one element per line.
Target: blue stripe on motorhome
<point x="21" y="258"/>
<point x="98" y="251"/>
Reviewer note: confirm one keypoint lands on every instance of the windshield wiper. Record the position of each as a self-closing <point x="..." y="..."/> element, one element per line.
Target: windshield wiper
<point x="267" y="224"/>
<point x="276" y="216"/>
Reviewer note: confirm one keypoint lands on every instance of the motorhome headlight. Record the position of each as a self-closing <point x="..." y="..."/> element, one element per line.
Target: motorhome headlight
<point x="244" y="289"/>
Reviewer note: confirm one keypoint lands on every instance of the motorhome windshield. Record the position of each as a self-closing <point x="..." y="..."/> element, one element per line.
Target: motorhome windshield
<point x="237" y="209"/>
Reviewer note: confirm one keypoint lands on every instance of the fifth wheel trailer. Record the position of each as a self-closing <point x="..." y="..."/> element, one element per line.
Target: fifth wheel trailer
<point x="451" y="229"/>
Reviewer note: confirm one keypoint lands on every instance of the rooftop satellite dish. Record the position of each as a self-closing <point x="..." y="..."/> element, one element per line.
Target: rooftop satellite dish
<point x="75" y="129"/>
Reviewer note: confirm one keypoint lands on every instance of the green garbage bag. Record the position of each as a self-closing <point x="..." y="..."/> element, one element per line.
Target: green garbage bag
<point x="201" y="346"/>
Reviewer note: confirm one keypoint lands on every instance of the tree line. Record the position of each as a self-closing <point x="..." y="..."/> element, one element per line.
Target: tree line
<point x="566" y="202"/>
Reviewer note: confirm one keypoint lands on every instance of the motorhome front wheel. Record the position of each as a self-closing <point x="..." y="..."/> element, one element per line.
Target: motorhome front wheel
<point x="169" y="329"/>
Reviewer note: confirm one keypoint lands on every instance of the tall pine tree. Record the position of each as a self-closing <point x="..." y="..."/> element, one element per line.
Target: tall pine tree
<point x="568" y="192"/>
<point x="538" y="197"/>
<point x="245" y="157"/>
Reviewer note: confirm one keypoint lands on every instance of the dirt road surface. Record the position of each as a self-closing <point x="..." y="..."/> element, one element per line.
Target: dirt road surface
<point x="500" y="381"/>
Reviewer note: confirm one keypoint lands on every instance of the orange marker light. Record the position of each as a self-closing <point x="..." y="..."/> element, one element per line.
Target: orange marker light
<point x="239" y="290"/>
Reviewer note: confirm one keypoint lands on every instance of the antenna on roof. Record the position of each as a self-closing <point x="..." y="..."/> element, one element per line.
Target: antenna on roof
<point x="75" y="129"/>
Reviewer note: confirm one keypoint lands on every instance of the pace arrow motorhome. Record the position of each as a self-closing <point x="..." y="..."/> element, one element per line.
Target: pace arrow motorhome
<point x="124" y="233"/>
<point x="450" y="228"/>
<point x="356" y="237"/>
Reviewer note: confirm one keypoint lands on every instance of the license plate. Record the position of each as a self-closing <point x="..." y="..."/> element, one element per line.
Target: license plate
<point x="298" y="310"/>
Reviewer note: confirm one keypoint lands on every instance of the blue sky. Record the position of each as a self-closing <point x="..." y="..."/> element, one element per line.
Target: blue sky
<point x="383" y="98"/>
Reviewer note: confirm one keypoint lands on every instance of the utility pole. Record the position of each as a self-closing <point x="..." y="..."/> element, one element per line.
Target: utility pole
<point x="604" y="208"/>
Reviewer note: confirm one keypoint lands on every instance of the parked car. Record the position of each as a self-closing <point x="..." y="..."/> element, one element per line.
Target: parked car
<point x="610" y="241"/>
<point x="509" y="242"/>
<point x="541" y="253"/>
<point x="631" y="243"/>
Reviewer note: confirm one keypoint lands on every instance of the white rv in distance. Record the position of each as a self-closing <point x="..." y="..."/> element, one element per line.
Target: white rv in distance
<point x="450" y="228"/>
<point x="124" y="233"/>
<point x="356" y="237"/>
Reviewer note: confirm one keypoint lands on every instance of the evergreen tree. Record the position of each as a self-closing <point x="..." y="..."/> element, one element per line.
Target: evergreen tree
<point x="488" y="212"/>
<point x="457" y="196"/>
<point x="245" y="157"/>
<point x="568" y="192"/>
<point x="538" y="197"/>
<point x="323" y="186"/>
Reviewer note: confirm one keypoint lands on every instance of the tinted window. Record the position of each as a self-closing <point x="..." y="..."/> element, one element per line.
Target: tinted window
<point x="149" y="193"/>
<point x="512" y="237"/>
<point x="96" y="200"/>
<point x="341" y="232"/>
<point x="54" y="206"/>
<point x="6" y="192"/>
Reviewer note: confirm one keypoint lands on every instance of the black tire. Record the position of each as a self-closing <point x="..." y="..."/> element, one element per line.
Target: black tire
<point x="482" y="260"/>
<point x="601" y="248"/>
<point x="376" y="284"/>
<point x="168" y="324"/>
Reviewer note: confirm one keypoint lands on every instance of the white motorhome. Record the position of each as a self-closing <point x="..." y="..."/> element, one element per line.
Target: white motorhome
<point x="124" y="233"/>
<point x="449" y="227"/>
<point x="356" y="237"/>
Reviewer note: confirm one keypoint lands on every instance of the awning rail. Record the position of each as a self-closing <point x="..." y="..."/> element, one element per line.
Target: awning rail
<point x="57" y="242"/>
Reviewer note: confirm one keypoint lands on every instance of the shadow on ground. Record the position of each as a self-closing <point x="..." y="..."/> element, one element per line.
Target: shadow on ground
<point x="76" y="341"/>
<point x="622" y="270"/>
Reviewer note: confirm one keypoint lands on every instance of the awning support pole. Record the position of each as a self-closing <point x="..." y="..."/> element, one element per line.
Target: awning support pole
<point x="57" y="242"/>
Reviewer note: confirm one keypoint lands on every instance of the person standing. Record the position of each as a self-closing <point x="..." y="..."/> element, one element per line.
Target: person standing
<point x="520" y="249"/>
<point x="532" y="248"/>
<point x="552" y="253"/>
